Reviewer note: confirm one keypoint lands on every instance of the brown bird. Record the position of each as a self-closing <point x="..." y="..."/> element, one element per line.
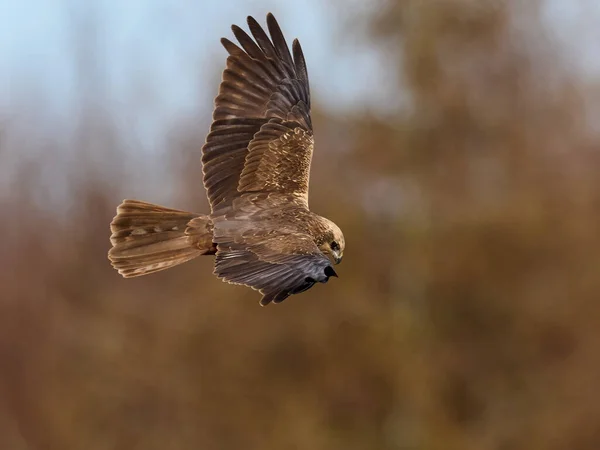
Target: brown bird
<point x="256" y="164"/>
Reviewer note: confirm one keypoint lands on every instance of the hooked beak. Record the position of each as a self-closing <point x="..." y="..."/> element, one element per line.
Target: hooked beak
<point x="337" y="257"/>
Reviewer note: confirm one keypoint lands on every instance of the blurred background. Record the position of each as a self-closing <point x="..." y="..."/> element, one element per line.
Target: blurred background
<point x="458" y="147"/>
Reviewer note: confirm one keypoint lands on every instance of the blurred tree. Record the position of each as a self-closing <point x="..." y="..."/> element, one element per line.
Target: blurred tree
<point x="465" y="315"/>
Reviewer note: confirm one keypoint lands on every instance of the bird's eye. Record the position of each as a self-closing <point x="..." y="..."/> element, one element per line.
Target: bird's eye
<point x="335" y="246"/>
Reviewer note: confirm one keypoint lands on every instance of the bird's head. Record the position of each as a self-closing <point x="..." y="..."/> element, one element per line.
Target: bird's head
<point x="331" y="242"/>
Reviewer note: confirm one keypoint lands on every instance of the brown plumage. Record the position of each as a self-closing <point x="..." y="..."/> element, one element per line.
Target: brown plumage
<point x="256" y="165"/>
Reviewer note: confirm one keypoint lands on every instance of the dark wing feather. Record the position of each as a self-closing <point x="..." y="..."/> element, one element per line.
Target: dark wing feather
<point x="261" y="37"/>
<point x="249" y="46"/>
<point x="226" y="148"/>
<point x="300" y="65"/>
<point x="262" y="83"/>
<point x="281" y="47"/>
<point x="275" y="272"/>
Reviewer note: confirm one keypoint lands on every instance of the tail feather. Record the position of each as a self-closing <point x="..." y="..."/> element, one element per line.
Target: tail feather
<point x="147" y="238"/>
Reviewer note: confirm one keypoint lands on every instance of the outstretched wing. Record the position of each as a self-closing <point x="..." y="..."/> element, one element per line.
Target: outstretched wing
<point x="278" y="265"/>
<point x="261" y="136"/>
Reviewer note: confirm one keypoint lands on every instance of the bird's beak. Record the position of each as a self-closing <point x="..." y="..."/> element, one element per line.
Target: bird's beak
<point x="337" y="257"/>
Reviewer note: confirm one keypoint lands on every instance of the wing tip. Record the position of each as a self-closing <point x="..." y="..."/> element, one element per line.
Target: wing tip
<point x="251" y="21"/>
<point x="298" y="53"/>
<point x="231" y="48"/>
<point x="271" y="20"/>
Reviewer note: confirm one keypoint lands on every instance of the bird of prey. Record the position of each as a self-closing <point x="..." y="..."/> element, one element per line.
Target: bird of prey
<point x="256" y="164"/>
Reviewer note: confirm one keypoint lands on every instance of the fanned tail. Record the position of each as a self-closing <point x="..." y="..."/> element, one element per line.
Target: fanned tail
<point x="147" y="238"/>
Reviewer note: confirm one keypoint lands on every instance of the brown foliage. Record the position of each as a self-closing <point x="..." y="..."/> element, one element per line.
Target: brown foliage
<point x="465" y="316"/>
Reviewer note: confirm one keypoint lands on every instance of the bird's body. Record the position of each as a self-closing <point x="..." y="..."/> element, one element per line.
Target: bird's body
<point x="256" y="164"/>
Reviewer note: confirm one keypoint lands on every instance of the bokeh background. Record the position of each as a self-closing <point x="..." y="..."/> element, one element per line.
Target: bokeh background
<point x="458" y="146"/>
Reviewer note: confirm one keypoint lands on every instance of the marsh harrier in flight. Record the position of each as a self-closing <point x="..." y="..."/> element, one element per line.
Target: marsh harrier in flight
<point x="256" y="164"/>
